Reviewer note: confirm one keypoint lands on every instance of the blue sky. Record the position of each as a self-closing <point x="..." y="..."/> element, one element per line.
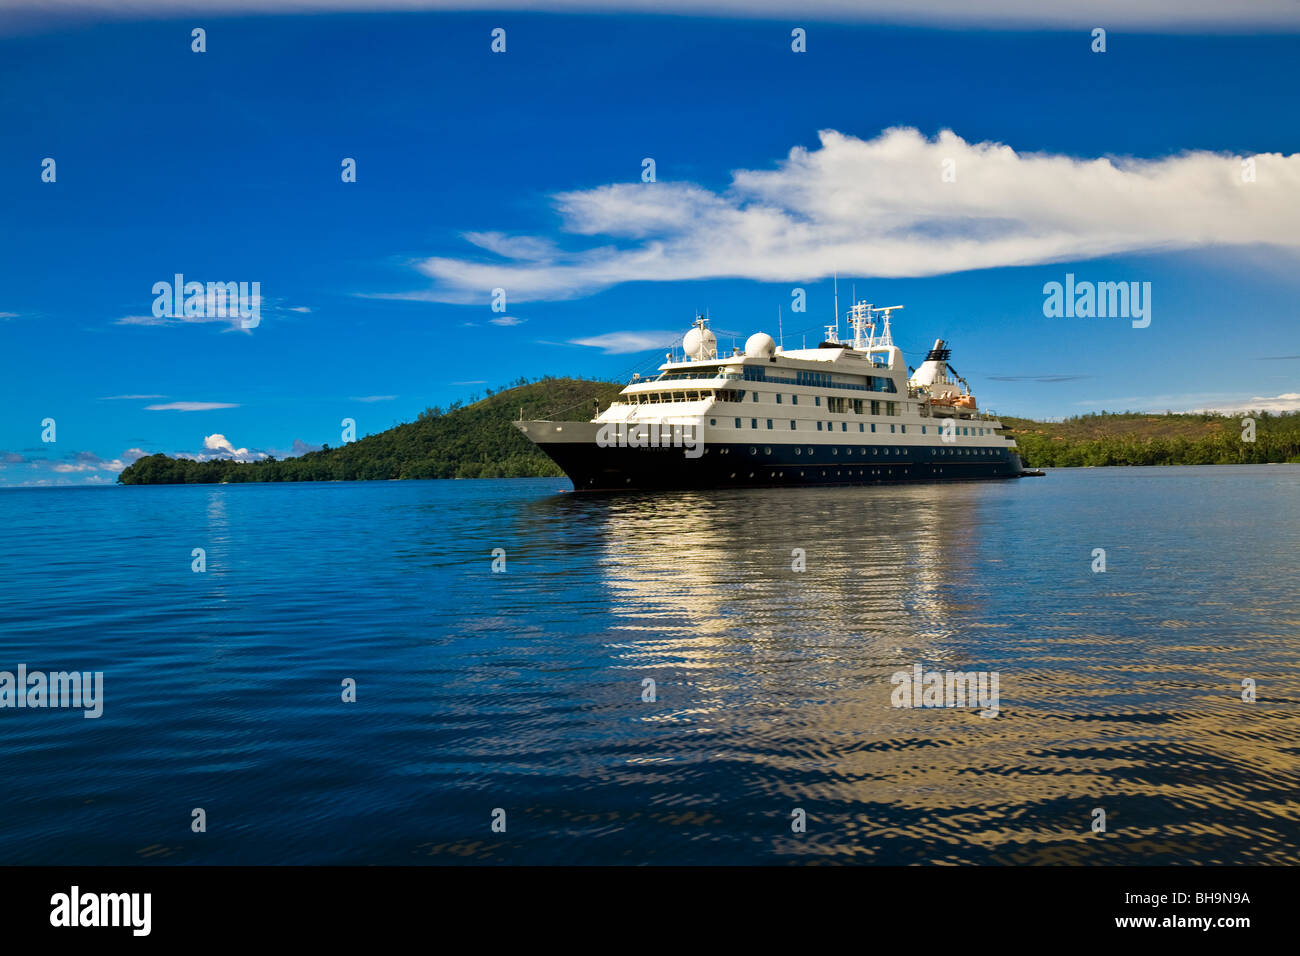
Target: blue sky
<point x="523" y="170"/>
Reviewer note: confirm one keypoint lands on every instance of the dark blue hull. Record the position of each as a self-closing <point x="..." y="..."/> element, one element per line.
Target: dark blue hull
<point x="593" y="468"/>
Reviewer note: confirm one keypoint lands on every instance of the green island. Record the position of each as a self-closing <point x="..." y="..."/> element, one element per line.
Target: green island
<point x="476" y="440"/>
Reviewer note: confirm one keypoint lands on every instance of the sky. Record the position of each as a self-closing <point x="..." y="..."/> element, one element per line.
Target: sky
<point x="953" y="162"/>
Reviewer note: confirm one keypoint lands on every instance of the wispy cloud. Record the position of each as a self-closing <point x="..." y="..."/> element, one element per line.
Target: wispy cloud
<point x="86" y="466"/>
<point x="1286" y="402"/>
<point x="116" y="398"/>
<point x="880" y="207"/>
<point x="8" y="315"/>
<point x="145" y="320"/>
<point x="372" y="398"/>
<point x="621" y="343"/>
<point x="189" y="406"/>
<point x="213" y="304"/>
<point x="1044" y="379"/>
<point x="507" y="320"/>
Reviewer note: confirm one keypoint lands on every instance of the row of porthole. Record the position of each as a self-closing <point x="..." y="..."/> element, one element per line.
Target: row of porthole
<point x="838" y="474"/>
<point x="753" y="450"/>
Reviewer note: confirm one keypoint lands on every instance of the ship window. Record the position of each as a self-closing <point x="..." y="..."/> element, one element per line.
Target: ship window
<point x="891" y="429"/>
<point x="778" y="398"/>
<point x="817" y="400"/>
<point x="861" y="427"/>
<point x="737" y="422"/>
<point x="844" y="426"/>
<point x="873" y="427"/>
<point x="819" y="426"/>
<point x="875" y="451"/>
<point x="792" y="424"/>
<point x="713" y="421"/>
<point x="922" y="429"/>
<point x="794" y="399"/>
<point x="753" y="423"/>
<point x="903" y="428"/>
<point x="769" y="424"/>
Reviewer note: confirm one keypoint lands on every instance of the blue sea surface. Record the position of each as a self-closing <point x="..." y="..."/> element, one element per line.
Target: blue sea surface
<point x="525" y="690"/>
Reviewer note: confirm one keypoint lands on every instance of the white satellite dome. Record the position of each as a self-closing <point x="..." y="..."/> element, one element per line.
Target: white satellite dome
<point x="760" y="345"/>
<point x="700" y="343"/>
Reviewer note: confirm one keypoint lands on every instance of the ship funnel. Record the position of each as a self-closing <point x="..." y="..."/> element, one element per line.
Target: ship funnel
<point x="934" y="370"/>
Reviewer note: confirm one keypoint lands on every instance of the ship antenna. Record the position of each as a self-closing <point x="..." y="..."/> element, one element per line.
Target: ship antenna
<point x="780" y="329"/>
<point x="837" y="305"/>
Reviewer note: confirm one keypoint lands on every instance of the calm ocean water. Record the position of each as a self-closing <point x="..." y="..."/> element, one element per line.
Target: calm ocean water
<point x="523" y="690"/>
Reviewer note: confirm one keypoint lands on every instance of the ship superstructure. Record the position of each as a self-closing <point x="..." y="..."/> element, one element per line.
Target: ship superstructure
<point x="845" y="412"/>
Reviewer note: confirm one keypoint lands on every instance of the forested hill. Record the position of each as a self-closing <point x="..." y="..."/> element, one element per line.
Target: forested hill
<point x="471" y="441"/>
<point x="1142" y="438"/>
<point x="478" y="441"/>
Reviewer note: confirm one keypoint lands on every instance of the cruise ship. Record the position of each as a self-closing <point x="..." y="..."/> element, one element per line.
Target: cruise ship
<point x="845" y="412"/>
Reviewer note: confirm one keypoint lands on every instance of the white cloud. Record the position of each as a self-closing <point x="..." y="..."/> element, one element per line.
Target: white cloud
<point x="213" y="304"/>
<point x="372" y="398"/>
<point x="299" y="308"/>
<point x="1286" y="402"/>
<point x="86" y="466"/>
<point x="1224" y="404"/>
<point x="880" y="208"/>
<point x="114" y="398"/>
<point x="219" y="443"/>
<point x="621" y="343"/>
<point x="1158" y="14"/>
<point x="8" y="315"/>
<point x="221" y="447"/>
<point x="145" y="320"/>
<point x="507" y="320"/>
<point x="189" y="406"/>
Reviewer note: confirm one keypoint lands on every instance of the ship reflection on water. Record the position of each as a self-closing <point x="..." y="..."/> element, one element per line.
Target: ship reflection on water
<point x="773" y="684"/>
